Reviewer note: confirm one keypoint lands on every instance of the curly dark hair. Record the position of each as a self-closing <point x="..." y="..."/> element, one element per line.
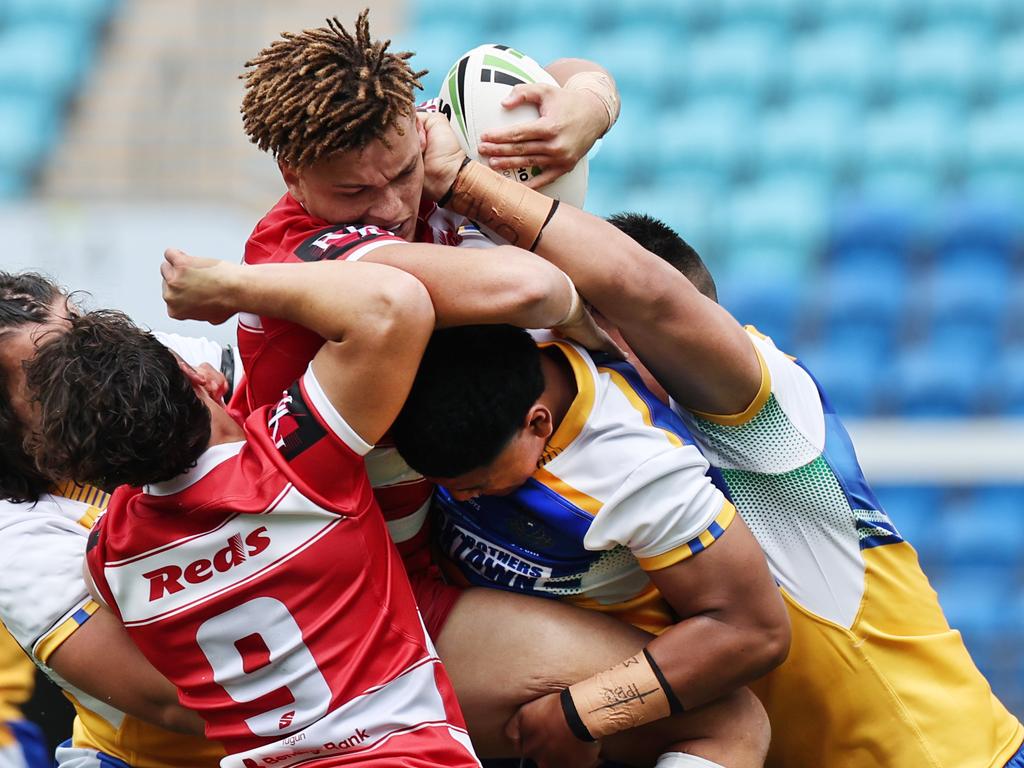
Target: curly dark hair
<point x="115" y="408"/>
<point x="26" y="299"/>
<point x="321" y="91"/>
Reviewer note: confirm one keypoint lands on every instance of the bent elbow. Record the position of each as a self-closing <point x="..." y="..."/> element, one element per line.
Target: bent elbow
<point x="402" y="305"/>
<point x="774" y="641"/>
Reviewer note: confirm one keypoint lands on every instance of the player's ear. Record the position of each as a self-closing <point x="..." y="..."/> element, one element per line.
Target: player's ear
<point x="421" y="132"/>
<point x="539" y="421"/>
<point x="291" y="180"/>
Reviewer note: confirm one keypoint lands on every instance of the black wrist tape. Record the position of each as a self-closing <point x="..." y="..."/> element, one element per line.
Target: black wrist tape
<point x="673" y="701"/>
<point x="572" y="717"/>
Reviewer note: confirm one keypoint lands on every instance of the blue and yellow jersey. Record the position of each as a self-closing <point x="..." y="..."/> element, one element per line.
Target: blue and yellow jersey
<point x="21" y="742"/>
<point x="621" y="490"/>
<point x="875" y="676"/>
<point x="43" y="601"/>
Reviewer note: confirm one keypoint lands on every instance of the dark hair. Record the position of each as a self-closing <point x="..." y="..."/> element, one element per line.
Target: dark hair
<point x="115" y="408"/>
<point x="322" y="91"/>
<point x="660" y="239"/>
<point x="472" y="392"/>
<point x="26" y="299"/>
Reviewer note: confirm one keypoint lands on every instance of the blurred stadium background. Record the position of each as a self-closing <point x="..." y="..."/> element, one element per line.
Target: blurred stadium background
<point x="852" y="170"/>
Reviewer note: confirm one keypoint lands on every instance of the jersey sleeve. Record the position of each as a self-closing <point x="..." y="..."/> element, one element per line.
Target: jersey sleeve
<point x="343" y="243"/>
<point x="43" y="598"/>
<point x="323" y="453"/>
<point x="666" y="511"/>
<point x="784" y="428"/>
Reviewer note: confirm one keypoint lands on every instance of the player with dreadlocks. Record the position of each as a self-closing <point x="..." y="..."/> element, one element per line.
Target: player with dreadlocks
<point x="336" y="110"/>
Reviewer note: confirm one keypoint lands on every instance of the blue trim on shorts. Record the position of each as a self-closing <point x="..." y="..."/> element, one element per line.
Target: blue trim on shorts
<point x="1017" y="761"/>
<point x="105" y="760"/>
<point x="32" y="742"/>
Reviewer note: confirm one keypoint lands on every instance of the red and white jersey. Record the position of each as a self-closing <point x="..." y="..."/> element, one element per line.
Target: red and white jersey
<point x="264" y="585"/>
<point x="276" y="352"/>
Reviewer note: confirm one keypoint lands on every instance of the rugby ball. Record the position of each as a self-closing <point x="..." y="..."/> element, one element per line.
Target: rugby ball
<point x="471" y="97"/>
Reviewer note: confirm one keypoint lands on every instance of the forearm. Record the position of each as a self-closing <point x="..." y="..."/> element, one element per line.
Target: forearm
<point x="483" y="286"/>
<point x="329" y="298"/>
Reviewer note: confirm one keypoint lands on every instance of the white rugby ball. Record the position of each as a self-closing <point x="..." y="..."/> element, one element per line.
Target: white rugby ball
<point x="471" y="97"/>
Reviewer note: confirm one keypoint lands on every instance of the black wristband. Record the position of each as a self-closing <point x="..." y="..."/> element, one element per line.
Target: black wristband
<point x="674" y="704"/>
<point x="451" y="190"/>
<point x="572" y="717"/>
<point x="551" y="213"/>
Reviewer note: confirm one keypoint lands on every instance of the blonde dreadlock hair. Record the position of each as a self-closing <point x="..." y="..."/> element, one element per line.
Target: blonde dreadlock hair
<point x="322" y="91"/>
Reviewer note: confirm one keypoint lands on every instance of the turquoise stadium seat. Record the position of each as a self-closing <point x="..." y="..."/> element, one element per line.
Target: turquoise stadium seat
<point x="86" y="13"/>
<point x="773" y="304"/>
<point x="642" y="58"/>
<point x="987" y="15"/>
<point x="674" y="17"/>
<point x="916" y="139"/>
<point x="741" y="61"/>
<point x="843" y="60"/>
<point x="994" y="140"/>
<point x="709" y="137"/>
<point x="43" y="58"/>
<point x="581" y="15"/>
<point x="780" y="14"/>
<point x="624" y="158"/>
<point x="468" y="17"/>
<point x="1008" y="72"/>
<point x="687" y="210"/>
<point x="950" y="61"/>
<point x="546" y="42"/>
<point x="28" y="128"/>
<point x="814" y="135"/>
<point x="892" y="14"/>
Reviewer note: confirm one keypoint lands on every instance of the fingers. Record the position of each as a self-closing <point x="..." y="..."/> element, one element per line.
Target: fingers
<point x="539" y="130"/>
<point x="517" y="149"/>
<point x="544" y="178"/>
<point x="527" y="93"/>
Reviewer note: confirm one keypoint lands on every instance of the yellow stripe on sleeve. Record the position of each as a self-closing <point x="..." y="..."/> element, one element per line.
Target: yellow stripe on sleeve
<point x="763" y="393"/>
<point x="693" y="546"/>
<point x="587" y="503"/>
<point x="52" y="641"/>
<point x="579" y="411"/>
<point x="639" y="404"/>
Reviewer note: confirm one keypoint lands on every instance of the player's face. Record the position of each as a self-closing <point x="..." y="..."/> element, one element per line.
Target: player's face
<point x="378" y="185"/>
<point x="514" y="466"/>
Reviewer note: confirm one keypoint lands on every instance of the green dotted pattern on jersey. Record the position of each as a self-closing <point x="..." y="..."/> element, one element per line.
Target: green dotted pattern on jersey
<point x="768" y="443"/>
<point x="611" y="565"/>
<point x="767" y="488"/>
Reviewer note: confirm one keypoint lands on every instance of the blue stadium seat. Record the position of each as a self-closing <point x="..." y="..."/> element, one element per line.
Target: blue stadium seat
<point x="637" y="56"/>
<point x="436" y="49"/>
<point x="844" y="60"/>
<point x="88" y="13"/>
<point x="915" y="510"/>
<point x="937" y="381"/>
<point x="868" y="289"/>
<point x="475" y="18"/>
<point x="625" y="154"/>
<point x="791" y="217"/>
<point x="773" y="305"/>
<point x="992" y="225"/>
<point x="880" y="225"/>
<point x="976" y="600"/>
<point x="993" y="139"/>
<point x="779" y="15"/>
<point x="1009" y="67"/>
<point x="28" y="128"/>
<point x="544" y="42"/>
<point x="672" y="17"/>
<point x="743" y="60"/>
<point x="43" y="58"/>
<point x="950" y="60"/>
<point x="851" y="384"/>
<point x="915" y="139"/>
<point x="688" y="210"/>
<point x="987" y="15"/>
<point x="985" y="527"/>
<point x="813" y="135"/>
<point x="882" y="13"/>
<point x="969" y="285"/>
<point x="1006" y="389"/>
<point x="578" y="15"/>
<point x="708" y="136"/>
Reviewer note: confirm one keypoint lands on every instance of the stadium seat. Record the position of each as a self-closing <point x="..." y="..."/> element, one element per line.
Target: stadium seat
<point x="844" y="61"/>
<point x="880" y="225"/>
<point x="743" y="60"/>
<point x="578" y="15"/>
<point x="969" y="285"/>
<point x="813" y="135"/>
<point x="915" y="510"/>
<point x="86" y="13"/>
<point x="891" y="14"/>
<point x="1006" y="388"/>
<point x="949" y="60"/>
<point x="779" y="15"/>
<point x="709" y="136"/>
<point x="28" y="127"/>
<point x="772" y="304"/>
<point x="475" y="18"/>
<point x="624" y="156"/>
<point x="982" y="15"/>
<point x="1009" y="68"/>
<point x="544" y="42"/>
<point x="976" y="600"/>
<point x="993" y="139"/>
<point x="688" y="210"/>
<point x="968" y="526"/>
<point x="942" y="378"/>
<point x="851" y="384"/>
<point x="636" y="56"/>
<point x="913" y="140"/>
<point x="43" y="58"/>
<point x="672" y="17"/>
<point x="991" y="225"/>
<point x="868" y="290"/>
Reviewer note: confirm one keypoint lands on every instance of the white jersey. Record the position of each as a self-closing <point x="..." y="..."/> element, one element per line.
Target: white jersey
<point x="622" y="490"/>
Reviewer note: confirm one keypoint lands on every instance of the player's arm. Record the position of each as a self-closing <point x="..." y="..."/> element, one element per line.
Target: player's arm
<point x="573" y="115"/>
<point x="100" y="659"/>
<point x="660" y="313"/>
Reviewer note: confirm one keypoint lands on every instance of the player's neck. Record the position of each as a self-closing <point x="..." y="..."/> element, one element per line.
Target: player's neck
<point x="223" y="428"/>
<point x="559" y="384"/>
